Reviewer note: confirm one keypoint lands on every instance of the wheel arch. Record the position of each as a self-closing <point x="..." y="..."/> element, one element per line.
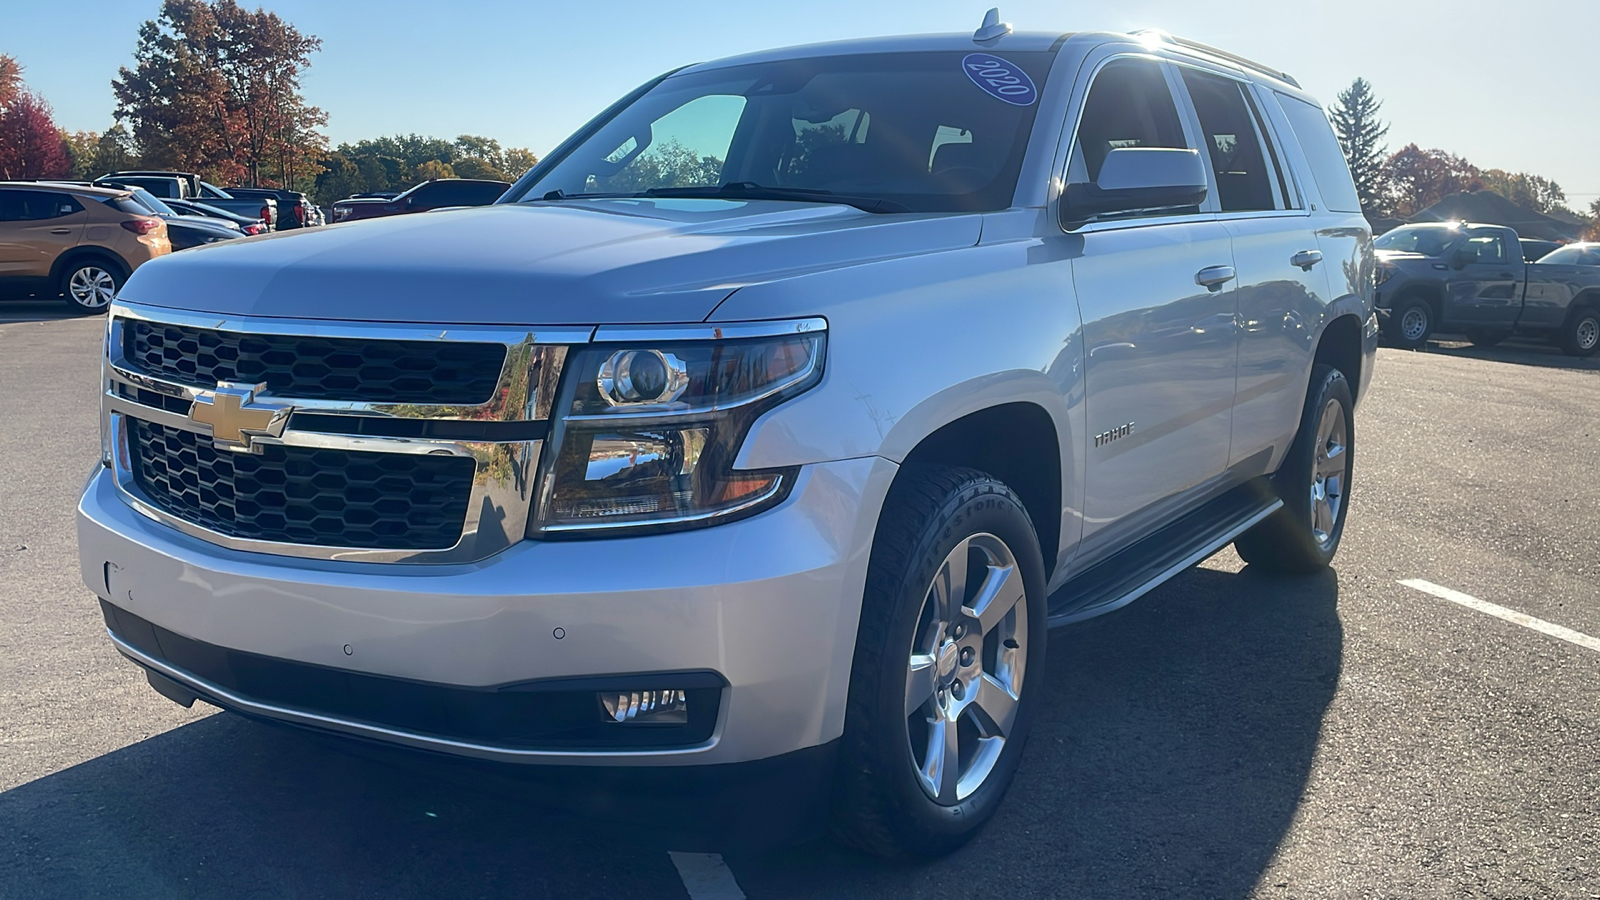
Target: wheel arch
<point x="1016" y="443"/>
<point x="1340" y="346"/>
<point x="84" y="253"/>
<point x="1430" y="292"/>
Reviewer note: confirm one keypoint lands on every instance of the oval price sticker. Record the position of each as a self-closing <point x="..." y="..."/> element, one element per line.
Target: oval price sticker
<point x="1000" y="79"/>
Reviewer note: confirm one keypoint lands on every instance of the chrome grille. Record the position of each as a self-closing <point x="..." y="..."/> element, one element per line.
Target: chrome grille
<point x="318" y="368"/>
<point x="300" y="495"/>
<point x="367" y="442"/>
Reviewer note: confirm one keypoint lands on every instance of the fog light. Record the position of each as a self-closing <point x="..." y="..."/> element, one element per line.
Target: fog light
<point x="646" y="707"/>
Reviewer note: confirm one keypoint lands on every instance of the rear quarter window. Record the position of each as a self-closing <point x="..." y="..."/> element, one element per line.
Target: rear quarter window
<point x="1315" y="134"/>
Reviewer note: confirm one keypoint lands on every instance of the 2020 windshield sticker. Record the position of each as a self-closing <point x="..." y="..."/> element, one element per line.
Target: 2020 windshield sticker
<point x="1000" y="79"/>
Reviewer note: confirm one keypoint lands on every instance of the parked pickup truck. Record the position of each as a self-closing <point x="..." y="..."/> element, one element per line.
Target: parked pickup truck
<point x="1470" y="279"/>
<point x="753" y="443"/>
<point x="188" y="186"/>
<point x="295" y="210"/>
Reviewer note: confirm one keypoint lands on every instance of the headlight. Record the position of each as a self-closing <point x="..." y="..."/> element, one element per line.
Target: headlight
<point x="648" y="432"/>
<point x="1384" y="273"/>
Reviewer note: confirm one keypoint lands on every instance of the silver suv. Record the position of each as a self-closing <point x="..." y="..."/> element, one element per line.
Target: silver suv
<point x="764" y="429"/>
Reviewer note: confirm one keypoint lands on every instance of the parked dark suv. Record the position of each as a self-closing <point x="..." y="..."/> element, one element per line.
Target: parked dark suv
<point x="428" y="195"/>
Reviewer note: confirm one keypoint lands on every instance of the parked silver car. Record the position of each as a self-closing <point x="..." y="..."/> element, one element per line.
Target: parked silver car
<point x="763" y="428"/>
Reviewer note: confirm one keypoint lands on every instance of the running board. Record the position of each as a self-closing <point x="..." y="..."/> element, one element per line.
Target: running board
<point x="1134" y="572"/>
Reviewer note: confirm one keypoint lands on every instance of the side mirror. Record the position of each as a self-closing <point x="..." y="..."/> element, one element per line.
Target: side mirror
<point x="1134" y="179"/>
<point x="1463" y="256"/>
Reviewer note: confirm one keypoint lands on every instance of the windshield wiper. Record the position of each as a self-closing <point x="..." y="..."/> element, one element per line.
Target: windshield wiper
<point x="749" y="190"/>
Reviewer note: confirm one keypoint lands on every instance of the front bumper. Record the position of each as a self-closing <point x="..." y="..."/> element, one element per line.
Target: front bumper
<point x="768" y="606"/>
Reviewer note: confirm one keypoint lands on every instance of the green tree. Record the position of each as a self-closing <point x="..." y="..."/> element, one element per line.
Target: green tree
<point x="1361" y="134"/>
<point x="664" y="165"/>
<point x="432" y="169"/>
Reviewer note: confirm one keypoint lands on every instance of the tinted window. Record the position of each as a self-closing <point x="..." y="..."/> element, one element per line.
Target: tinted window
<point x="29" y="206"/>
<point x="914" y="130"/>
<point x="1428" y="240"/>
<point x="1328" y="166"/>
<point x="161" y="187"/>
<point x="1488" y="247"/>
<point x="1574" y="255"/>
<point x="1238" y="157"/>
<point x="128" y="204"/>
<point x="1129" y="105"/>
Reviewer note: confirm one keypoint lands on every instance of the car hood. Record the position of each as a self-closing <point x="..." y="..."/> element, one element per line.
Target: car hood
<point x="578" y="263"/>
<point x="205" y="223"/>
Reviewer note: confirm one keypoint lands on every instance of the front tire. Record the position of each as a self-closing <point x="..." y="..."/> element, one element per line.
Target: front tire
<point x="1580" y="337"/>
<point x="89" y="285"/>
<point x="1411" y="323"/>
<point x="947" y="662"/>
<point x="1313" y="482"/>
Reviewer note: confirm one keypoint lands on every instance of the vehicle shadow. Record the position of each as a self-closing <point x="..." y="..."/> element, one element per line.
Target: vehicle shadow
<point x="35" y="309"/>
<point x="1168" y="759"/>
<point x="1518" y="351"/>
<point x="1169" y="755"/>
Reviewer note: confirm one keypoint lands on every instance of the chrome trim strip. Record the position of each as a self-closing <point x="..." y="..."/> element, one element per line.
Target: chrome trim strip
<point x="211" y="693"/>
<point x="708" y="331"/>
<point x="386" y="331"/>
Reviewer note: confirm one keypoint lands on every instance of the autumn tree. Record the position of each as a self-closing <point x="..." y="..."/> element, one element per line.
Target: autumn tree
<point x="10" y="80"/>
<point x="216" y="89"/>
<point x="1532" y="191"/>
<point x="1361" y="134"/>
<point x="1421" y="178"/>
<point x="397" y="162"/>
<point x="30" y="144"/>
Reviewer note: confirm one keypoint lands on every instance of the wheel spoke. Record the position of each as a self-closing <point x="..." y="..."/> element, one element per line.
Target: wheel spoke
<point x="994" y="707"/>
<point x="919" y="682"/>
<point x="942" y="769"/>
<point x="950" y="585"/>
<point x="1001" y="592"/>
<point x="1332" y="465"/>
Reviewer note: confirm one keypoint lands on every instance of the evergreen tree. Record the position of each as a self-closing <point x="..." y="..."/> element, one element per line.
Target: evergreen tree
<point x="1361" y="134"/>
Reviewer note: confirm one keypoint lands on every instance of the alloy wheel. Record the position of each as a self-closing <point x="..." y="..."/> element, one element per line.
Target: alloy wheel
<point x="964" y="675"/>
<point x="1329" y="471"/>
<point x="92" y="287"/>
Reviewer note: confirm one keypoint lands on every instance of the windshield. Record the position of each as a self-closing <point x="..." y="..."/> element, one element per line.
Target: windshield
<point x="1573" y="255"/>
<point x="1428" y="240"/>
<point x="888" y="132"/>
<point x="214" y="192"/>
<point x="154" y="202"/>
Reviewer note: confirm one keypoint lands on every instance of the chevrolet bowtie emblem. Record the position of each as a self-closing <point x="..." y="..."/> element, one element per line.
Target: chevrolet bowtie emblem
<point x="235" y="416"/>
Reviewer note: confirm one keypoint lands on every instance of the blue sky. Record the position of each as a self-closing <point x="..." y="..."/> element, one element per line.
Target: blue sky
<point x="1504" y="84"/>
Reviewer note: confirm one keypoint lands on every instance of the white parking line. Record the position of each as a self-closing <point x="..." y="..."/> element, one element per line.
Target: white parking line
<point x="706" y="877"/>
<point x="1500" y="612"/>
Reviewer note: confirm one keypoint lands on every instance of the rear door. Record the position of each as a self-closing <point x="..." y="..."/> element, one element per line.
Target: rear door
<point x="1282" y="289"/>
<point x="36" y="227"/>
<point x="1159" y="347"/>
<point x="1488" y="289"/>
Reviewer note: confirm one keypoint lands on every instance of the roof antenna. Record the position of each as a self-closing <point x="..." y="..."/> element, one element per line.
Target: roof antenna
<point x="992" y="27"/>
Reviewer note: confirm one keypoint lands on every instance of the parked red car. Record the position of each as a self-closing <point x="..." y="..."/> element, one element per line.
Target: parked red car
<point x="433" y="194"/>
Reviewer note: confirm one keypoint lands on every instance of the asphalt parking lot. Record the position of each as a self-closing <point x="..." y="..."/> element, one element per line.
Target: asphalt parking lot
<point x="1233" y="734"/>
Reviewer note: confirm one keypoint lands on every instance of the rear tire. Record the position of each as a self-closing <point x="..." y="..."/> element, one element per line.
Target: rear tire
<point x="90" y="284"/>
<point x="1313" y="482"/>
<point x="938" y="713"/>
<point x="1411" y="323"/>
<point x="1580" y="337"/>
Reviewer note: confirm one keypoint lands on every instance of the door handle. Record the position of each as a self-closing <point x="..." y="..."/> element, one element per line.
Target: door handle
<point x="1214" y="277"/>
<point x="1306" y="259"/>
<point x="61" y="231"/>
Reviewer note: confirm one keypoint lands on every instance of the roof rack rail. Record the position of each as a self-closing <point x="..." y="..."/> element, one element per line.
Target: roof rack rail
<point x="1220" y="54"/>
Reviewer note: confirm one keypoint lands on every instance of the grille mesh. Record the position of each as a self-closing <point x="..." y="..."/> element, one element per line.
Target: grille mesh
<point x="315" y="368"/>
<point x="335" y="498"/>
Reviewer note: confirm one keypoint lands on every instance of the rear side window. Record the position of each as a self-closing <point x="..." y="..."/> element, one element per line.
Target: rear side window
<point x="1129" y="105"/>
<point x="127" y="204"/>
<point x="1328" y="165"/>
<point x="1237" y="150"/>
<point x="33" y="206"/>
